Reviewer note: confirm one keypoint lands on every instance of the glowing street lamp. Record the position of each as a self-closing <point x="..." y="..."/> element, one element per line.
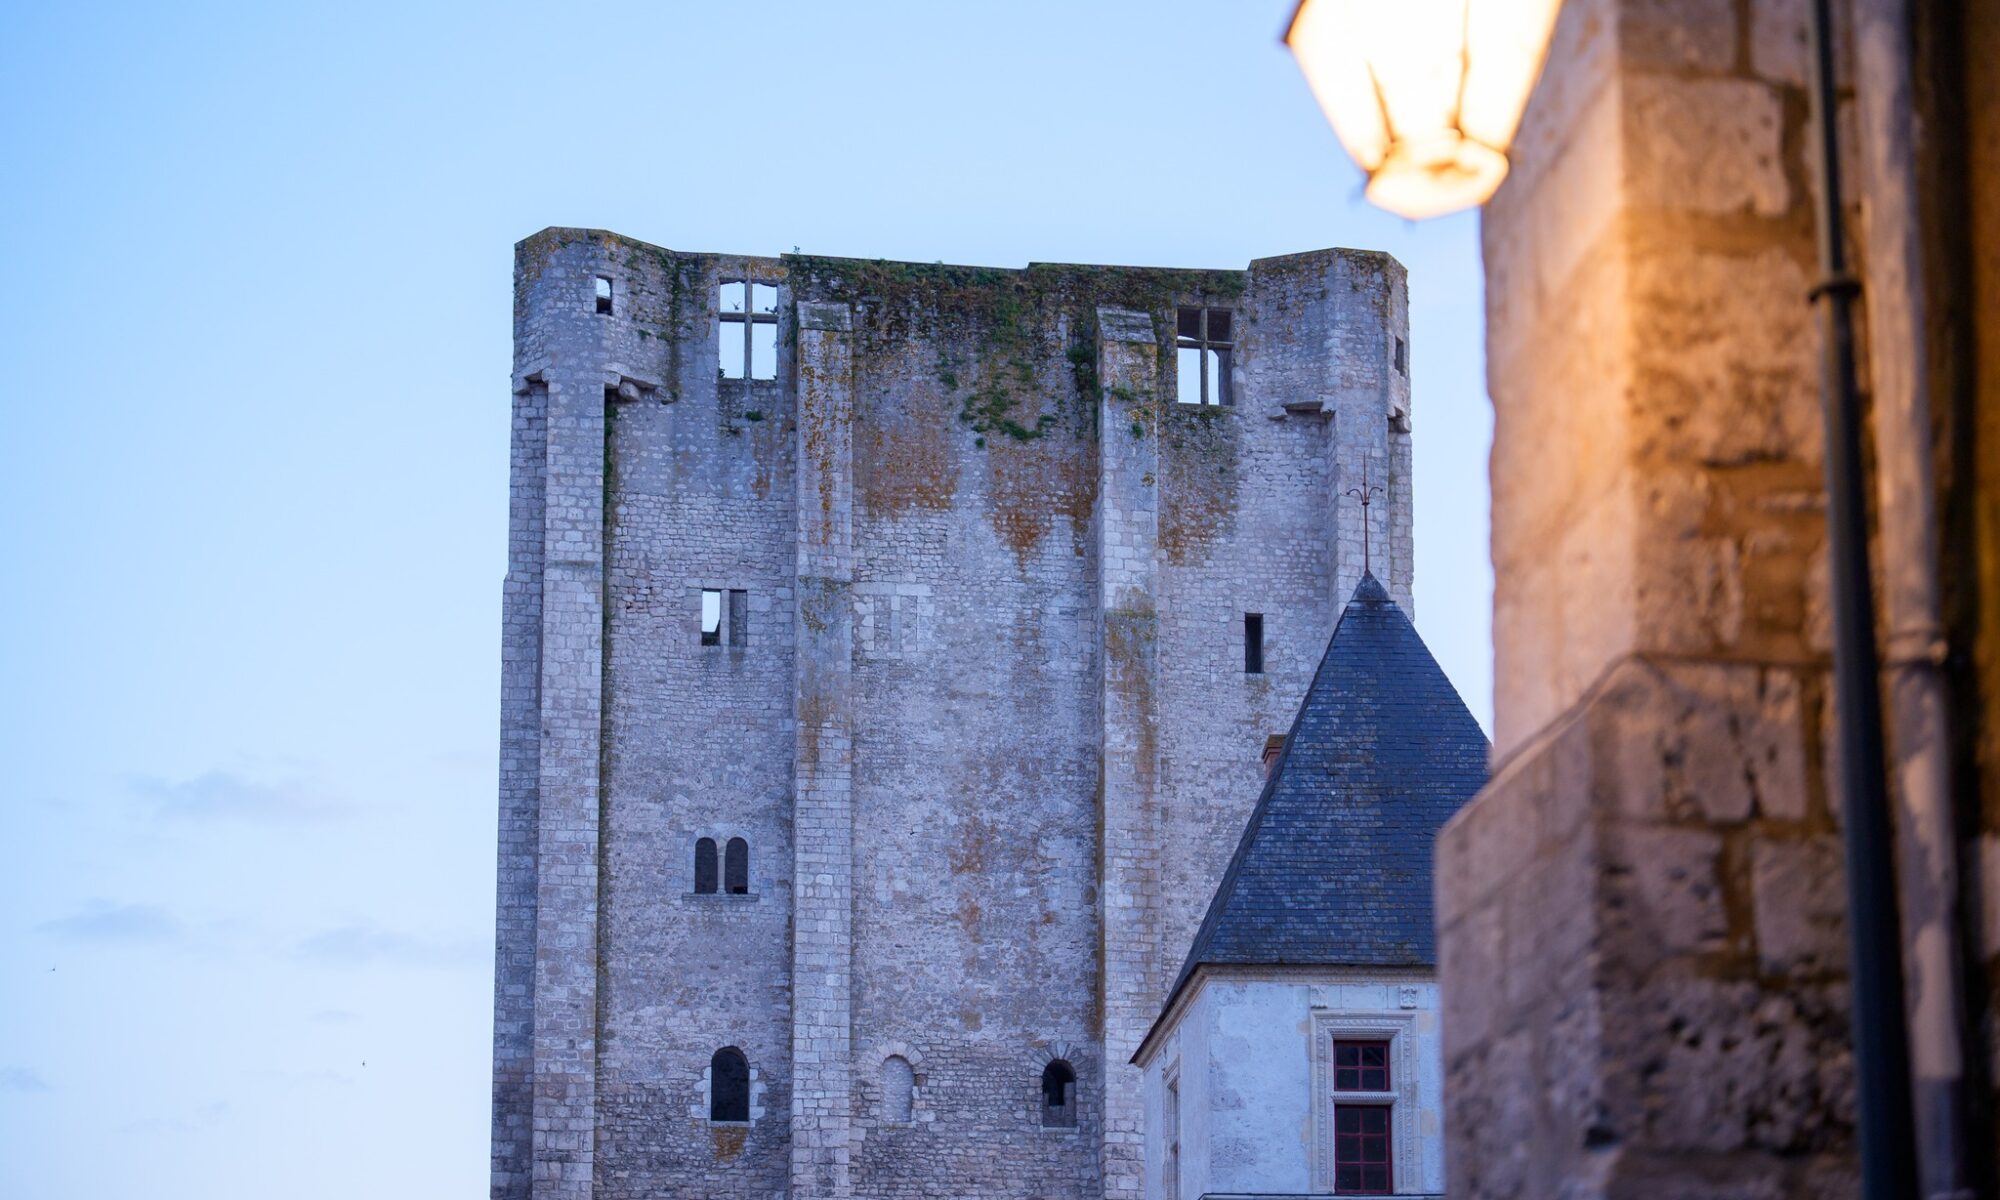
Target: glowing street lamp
<point x="1424" y="94"/>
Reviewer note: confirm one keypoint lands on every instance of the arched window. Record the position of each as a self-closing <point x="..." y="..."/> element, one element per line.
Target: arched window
<point x="736" y="868"/>
<point x="728" y="1086"/>
<point x="704" y="867"/>
<point x="898" y="1083"/>
<point x="1058" y="1096"/>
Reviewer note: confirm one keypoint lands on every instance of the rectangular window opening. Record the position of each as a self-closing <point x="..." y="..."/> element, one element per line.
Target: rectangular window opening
<point x="1361" y="1150"/>
<point x="1187" y="369"/>
<point x="603" y="295"/>
<point x="747" y="346"/>
<point x="711" y="617"/>
<point x="1253" y="643"/>
<point x="739" y="617"/>
<point x="1360" y="1066"/>
<point x="730" y="358"/>
<point x="763" y="352"/>
<point x="1402" y="358"/>
<point x="1203" y="339"/>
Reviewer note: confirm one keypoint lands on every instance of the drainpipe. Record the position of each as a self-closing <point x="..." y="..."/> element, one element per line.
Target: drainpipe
<point x="1919" y="767"/>
<point x="1878" y="1024"/>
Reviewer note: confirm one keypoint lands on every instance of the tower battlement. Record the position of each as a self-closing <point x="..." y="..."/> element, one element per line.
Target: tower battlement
<point x="889" y="652"/>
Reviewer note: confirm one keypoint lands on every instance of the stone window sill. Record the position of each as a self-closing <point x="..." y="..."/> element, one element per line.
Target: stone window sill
<point x="726" y="898"/>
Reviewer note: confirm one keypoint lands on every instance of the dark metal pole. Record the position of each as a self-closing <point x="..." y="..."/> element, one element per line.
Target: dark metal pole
<point x="1880" y="1026"/>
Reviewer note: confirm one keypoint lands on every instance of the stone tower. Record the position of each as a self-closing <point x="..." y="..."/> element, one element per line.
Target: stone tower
<point x="888" y="654"/>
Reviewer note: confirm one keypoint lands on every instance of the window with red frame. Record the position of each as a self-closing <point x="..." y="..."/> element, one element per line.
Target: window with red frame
<point x="1362" y="1118"/>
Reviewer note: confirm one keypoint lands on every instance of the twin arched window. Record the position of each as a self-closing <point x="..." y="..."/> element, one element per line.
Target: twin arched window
<point x="728" y="1083"/>
<point x="735" y="867"/>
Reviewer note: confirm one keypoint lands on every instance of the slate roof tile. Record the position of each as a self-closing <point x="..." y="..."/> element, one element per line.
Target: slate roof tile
<point x="1334" y="868"/>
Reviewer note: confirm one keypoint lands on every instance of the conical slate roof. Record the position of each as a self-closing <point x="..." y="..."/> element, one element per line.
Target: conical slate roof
<point x="1334" y="868"/>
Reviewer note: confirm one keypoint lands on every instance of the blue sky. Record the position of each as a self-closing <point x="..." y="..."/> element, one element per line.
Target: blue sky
<point x="256" y="313"/>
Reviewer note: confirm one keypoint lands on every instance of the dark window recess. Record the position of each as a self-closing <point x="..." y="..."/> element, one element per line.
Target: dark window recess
<point x="736" y="867"/>
<point x="1058" y="1096"/>
<point x="704" y="867"/>
<point x="1361" y="1150"/>
<point x="1253" y="643"/>
<point x="747" y="345"/>
<point x="1402" y="358"/>
<point x="1204" y="339"/>
<point x="739" y="618"/>
<point x="728" y="1086"/>
<point x="1360" y="1066"/>
<point x="711" y="617"/>
<point x="603" y="295"/>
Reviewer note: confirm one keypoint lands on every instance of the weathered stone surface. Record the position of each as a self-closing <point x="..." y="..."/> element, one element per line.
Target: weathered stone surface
<point x="1652" y="367"/>
<point x="1800" y="892"/>
<point x="1717" y="143"/>
<point x="980" y="713"/>
<point x="1651" y="1002"/>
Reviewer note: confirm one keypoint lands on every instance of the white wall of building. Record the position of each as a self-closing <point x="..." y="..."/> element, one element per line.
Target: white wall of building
<point x="1244" y="1046"/>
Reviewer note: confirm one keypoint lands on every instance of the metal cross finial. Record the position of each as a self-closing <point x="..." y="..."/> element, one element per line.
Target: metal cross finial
<point x="1365" y="493"/>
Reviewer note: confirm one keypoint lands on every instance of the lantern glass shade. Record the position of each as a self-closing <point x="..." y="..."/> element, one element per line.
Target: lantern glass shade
<point x="1425" y="94"/>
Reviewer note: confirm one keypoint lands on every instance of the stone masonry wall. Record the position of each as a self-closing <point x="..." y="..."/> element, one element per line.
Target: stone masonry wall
<point x="1643" y="952"/>
<point x="988" y="733"/>
<point x="1640" y="918"/>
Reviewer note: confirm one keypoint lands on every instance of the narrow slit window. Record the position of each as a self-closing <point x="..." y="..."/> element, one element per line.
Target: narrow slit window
<point x="1253" y="643"/>
<point x="603" y="295"/>
<point x="739" y="617"/>
<point x="1203" y="342"/>
<point x="1402" y="357"/>
<point x="729" y="1086"/>
<point x="1058" y="1096"/>
<point x="747" y="346"/>
<point x="711" y="617"/>
<point x="736" y="867"/>
<point x="704" y="867"/>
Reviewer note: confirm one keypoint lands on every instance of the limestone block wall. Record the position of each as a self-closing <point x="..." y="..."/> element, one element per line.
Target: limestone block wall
<point x="1656" y="463"/>
<point x="1641" y="941"/>
<point x="979" y="710"/>
<point x="1643" y="949"/>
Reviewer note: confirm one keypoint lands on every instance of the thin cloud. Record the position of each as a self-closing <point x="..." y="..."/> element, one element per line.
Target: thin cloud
<point x="21" y="1079"/>
<point x="361" y="943"/>
<point x="103" y="922"/>
<point x="226" y="796"/>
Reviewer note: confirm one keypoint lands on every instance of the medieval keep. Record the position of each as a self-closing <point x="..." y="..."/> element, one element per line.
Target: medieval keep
<point x="888" y="654"/>
<point x="1309" y="1001"/>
